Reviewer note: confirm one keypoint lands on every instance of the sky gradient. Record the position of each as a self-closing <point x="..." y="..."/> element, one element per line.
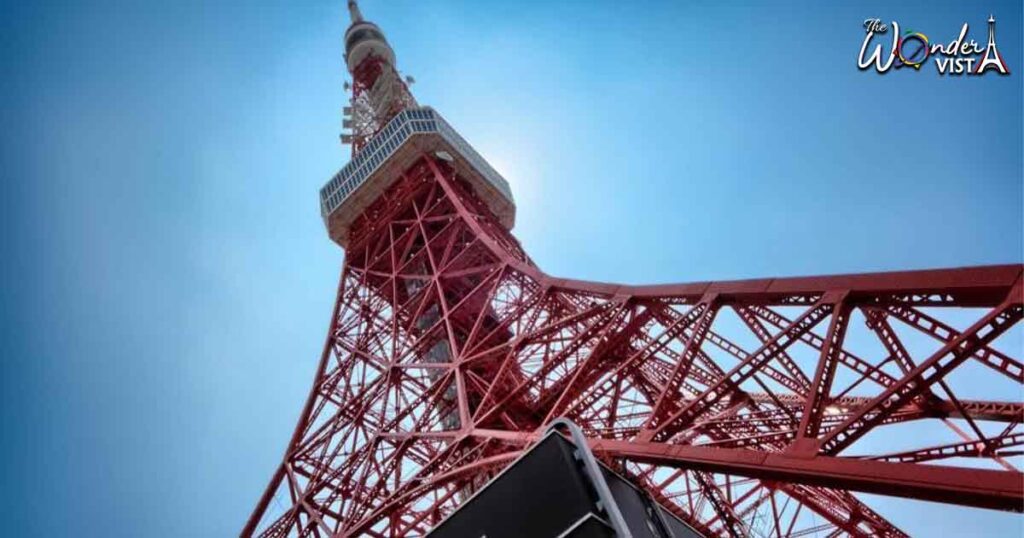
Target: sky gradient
<point x="167" y="279"/>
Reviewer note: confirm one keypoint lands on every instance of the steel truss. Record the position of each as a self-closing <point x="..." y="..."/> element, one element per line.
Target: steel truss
<point x="750" y="408"/>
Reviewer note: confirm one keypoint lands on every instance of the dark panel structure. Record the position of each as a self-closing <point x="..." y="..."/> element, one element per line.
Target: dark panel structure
<point x="548" y="493"/>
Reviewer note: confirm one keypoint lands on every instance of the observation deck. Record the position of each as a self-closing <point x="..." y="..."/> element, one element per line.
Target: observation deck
<point x="407" y="137"/>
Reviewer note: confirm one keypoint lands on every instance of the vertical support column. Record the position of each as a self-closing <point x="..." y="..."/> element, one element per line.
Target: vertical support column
<point x="708" y="306"/>
<point x="821" y="387"/>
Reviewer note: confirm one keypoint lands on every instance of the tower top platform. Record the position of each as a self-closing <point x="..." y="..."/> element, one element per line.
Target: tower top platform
<point x="410" y="135"/>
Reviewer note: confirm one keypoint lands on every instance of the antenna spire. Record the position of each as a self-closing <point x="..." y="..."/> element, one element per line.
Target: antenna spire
<point x="353" y="11"/>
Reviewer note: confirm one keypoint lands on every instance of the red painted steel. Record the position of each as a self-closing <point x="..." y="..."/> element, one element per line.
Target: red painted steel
<point x="742" y="403"/>
<point x="752" y="407"/>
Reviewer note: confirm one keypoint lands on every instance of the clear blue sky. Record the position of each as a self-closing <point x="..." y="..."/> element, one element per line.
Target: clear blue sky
<point x="167" y="280"/>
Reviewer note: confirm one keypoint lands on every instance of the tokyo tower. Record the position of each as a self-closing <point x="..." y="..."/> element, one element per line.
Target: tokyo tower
<point x="745" y="408"/>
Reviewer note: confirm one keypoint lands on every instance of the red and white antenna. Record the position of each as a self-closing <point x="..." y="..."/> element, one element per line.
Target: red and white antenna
<point x="378" y="91"/>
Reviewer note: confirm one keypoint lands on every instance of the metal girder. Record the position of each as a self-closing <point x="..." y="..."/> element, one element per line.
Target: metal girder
<point x="448" y="349"/>
<point x="956" y="485"/>
<point x="746" y="407"/>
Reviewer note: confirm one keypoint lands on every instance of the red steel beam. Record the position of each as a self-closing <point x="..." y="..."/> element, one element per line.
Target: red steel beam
<point x="983" y="488"/>
<point x="972" y="286"/>
<point x="430" y="265"/>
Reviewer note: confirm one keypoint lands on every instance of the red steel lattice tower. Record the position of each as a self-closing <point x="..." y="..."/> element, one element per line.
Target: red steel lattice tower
<point x="749" y="408"/>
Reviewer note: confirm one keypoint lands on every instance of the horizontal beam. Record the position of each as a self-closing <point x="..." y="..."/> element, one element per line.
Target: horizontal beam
<point x="982" y="488"/>
<point x="972" y="286"/>
<point x="989" y="410"/>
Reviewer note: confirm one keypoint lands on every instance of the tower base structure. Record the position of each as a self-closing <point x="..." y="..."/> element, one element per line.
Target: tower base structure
<point x="746" y="407"/>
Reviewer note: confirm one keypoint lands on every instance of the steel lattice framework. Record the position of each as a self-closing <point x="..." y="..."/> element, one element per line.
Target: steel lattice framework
<point x="736" y="403"/>
<point x="750" y="408"/>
